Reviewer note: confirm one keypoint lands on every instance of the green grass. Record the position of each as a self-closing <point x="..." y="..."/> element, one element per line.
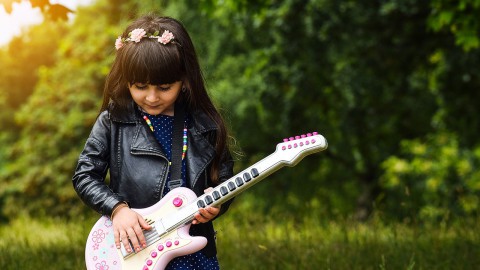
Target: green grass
<point x="268" y="243"/>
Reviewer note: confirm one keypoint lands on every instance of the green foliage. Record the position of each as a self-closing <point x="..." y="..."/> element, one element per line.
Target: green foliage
<point x="432" y="179"/>
<point x="377" y="79"/>
<point x="55" y="122"/>
<point x="459" y="18"/>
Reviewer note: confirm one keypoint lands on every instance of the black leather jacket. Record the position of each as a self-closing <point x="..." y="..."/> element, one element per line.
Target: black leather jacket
<point x="124" y="145"/>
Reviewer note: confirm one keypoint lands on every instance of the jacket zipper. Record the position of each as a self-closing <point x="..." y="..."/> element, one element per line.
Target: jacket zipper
<point x="164" y="180"/>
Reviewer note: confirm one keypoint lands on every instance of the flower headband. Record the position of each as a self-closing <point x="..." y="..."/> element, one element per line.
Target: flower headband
<point x="137" y="34"/>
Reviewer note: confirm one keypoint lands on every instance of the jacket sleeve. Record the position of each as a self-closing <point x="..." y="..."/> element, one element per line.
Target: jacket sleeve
<point x="93" y="164"/>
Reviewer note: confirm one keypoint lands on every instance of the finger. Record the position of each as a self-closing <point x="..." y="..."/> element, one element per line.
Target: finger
<point x="125" y="242"/>
<point x="207" y="190"/>
<point x="201" y="216"/>
<point x="117" y="239"/>
<point x="133" y="238"/>
<point x="198" y="219"/>
<point x="213" y="210"/>
<point x="141" y="238"/>
<point x="144" y="224"/>
<point x="205" y="212"/>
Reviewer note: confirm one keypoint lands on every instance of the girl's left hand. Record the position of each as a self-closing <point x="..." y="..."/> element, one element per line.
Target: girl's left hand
<point x="206" y="214"/>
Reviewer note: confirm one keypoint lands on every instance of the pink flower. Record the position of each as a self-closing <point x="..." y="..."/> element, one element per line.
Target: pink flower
<point x="118" y="43"/>
<point x="102" y="266"/>
<point x="166" y="37"/>
<point x="137" y="34"/>
<point x="98" y="236"/>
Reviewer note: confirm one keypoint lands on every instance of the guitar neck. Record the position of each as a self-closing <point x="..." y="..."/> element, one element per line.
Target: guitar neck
<point x="288" y="153"/>
<point x="240" y="182"/>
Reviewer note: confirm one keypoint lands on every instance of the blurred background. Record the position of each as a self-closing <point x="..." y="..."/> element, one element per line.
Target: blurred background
<point x="394" y="86"/>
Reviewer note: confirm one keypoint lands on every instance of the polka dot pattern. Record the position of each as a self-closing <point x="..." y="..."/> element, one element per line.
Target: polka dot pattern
<point x="163" y="130"/>
<point x="196" y="261"/>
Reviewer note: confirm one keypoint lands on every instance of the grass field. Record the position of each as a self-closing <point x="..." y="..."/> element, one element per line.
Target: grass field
<point x="266" y="243"/>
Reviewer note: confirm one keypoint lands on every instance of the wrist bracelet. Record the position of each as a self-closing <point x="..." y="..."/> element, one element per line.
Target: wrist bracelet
<point x="120" y="205"/>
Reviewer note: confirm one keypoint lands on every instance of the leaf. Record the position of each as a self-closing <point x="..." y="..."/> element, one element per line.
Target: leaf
<point x="58" y="12"/>
<point x="39" y="3"/>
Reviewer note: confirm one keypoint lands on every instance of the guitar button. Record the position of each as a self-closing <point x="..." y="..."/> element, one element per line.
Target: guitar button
<point x="231" y="186"/>
<point x="254" y="172"/>
<point x="239" y="181"/>
<point x="168" y="244"/>
<point x="177" y="202"/>
<point x="176" y="242"/>
<point x="224" y="191"/>
<point x="145" y="267"/>
<point x="247" y="177"/>
<point x="208" y="199"/>
<point x="160" y="247"/>
<point x="216" y="195"/>
<point x="153" y="254"/>
<point x="201" y="204"/>
<point x="149" y="262"/>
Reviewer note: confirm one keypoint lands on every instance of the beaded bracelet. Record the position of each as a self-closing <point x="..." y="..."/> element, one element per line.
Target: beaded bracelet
<point x="125" y="204"/>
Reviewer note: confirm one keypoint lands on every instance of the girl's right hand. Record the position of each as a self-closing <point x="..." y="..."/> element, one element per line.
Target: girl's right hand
<point x="129" y="225"/>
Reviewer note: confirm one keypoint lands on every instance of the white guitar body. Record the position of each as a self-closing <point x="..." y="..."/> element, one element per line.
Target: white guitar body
<point x="101" y="251"/>
<point x="171" y="217"/>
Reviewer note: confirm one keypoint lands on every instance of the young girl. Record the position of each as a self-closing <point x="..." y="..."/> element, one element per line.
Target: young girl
<point x="155" y="79"/>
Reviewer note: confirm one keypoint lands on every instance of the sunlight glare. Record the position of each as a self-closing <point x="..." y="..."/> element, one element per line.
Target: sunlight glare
<point x="22" y="16"/>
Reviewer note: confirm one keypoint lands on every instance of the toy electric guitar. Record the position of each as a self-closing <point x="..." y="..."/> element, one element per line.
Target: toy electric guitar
<point x="171" y="217"/>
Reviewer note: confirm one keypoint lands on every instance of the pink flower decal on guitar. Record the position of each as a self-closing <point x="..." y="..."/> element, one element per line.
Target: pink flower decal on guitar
<point x="108" y="223"/>
<point x="102" y="266"/>
<point x="98" y="236"/>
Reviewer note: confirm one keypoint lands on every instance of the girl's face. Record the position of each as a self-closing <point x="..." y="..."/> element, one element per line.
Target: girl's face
<point x="156" y="99"/>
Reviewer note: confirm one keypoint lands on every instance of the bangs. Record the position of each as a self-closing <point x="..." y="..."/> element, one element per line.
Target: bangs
<point x="152" y="62"/>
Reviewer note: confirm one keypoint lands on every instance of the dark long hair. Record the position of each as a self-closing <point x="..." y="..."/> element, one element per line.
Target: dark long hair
<point x="149" y="61"/>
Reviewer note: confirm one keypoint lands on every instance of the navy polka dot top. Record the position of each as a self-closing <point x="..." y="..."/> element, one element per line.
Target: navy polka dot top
<point x="163" y="130"/>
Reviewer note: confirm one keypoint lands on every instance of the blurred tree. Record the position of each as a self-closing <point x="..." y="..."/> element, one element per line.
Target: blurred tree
<point x="356" y="71"/>
<point x="432" y="179"/>
<point x="22" y="57"/>
<point x="374" y="77"/>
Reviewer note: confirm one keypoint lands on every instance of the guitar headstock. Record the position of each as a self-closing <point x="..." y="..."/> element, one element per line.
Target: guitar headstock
<point x="294" y="149"/>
